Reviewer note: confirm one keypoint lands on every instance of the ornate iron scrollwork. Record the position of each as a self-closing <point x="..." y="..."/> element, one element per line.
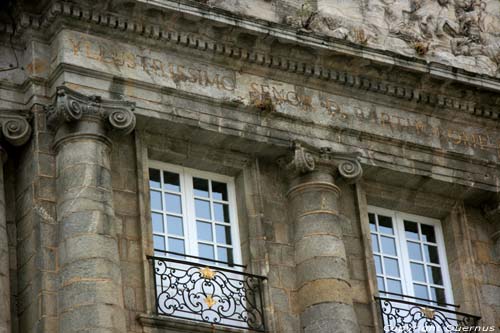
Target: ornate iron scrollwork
<point x="401" y="316"/>
<point x="210" y="294"/>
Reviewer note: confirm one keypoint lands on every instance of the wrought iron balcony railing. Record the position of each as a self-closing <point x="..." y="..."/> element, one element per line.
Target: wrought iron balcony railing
<point x="207" y="293"/>
<point x="408" y="314"/>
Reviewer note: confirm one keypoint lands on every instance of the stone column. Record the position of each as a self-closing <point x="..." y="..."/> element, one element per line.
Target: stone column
<point x="492" y="213"/>
<point x="324" y="296"/>
<point x="16" y="131"/>
<point x="90" y="297"/>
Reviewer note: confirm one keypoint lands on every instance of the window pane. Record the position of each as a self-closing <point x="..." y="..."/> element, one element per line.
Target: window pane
<point x="411" y="230"/>
<point x="375" y="243"/>
<point x="159" y="242"/>
<point x="219" y="191"/>
<point x="373" y="225"/>
<point x="154" y="178"/>
<point x="388" y="245"/>
<point x="437" y="294"/>
<point x="221" y="212"/>
<point x="394" y="286"/>
<point x="206" y="251"/>
<point x="173" y="203"/>
<point x="391" y="267"/>
<point x="385" y="224"/>
<point x="428" y="234"/>
<point x="174" y="225"/>
<point x="200" y="187"/>
<point x="434" y="274"/>
<point x="431" y="254"/>
<point x="156" y="200"/>
<point x="171" y="181"/>
<point x="420" y="291"/>
<point x="176" y="245"/>
<point x="225" y="254"/>
<point x="204" y="231"/>
<point x="380" y="283"/>
<point x="418" y="272"/>
<point x="202" y="208"/>
<point x="157" y="222"/>
<point x="223" y="234"/>
<point x="414" y="251"/>
<point x="378" y="265"/>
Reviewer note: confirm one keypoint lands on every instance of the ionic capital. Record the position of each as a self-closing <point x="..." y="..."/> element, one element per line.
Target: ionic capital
<point x="71" y="106"/>
<point x="15" y="128"/>
<point x="305" y="159"/>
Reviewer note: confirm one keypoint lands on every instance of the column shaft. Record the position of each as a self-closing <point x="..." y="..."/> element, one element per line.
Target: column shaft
<point x="90" y="293"/>
<point x="5" y="320"/>
<point x="324" y="293"/>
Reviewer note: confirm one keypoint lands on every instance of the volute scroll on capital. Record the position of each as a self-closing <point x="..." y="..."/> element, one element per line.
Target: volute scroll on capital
<point x="71" y="106"/>
<point x="15" y="128"/>
<point x="307" y="159"/>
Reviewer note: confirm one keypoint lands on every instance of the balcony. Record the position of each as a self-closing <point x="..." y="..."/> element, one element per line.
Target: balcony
<point x="216" y="295"/>
<point x="408" y="314"/>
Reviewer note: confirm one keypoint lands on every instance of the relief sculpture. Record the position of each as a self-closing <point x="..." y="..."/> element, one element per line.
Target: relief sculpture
<point x="465" y="33"/>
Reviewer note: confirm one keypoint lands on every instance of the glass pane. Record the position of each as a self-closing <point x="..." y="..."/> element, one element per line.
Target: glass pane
<point x="394" y="286"/>
<point x="378" y="265"/>
<point x="225" y="254"/>
<point x="155" y="200"/>
<point x="375" y="243"/>
<point x="174" y="225"/>
<point x="437" y="294"/>
<point x="200" y="187"/>
<point x="171" y="181"/>
<point x="157" y="222"/>
<point x="223" y="234"/>
<point x="380" y="283"/>
<point x="418" y="272"/>
<point x="176" y="245"/>
<point x="391" y="267"/>
<point x="206" y="251"/>
<point x="431" y="254"/>
<point x="414" y="251"/>
<point x="434" y="274"/>
<point x="221" y="212"/>
<point x="420" y="291"/>
<point x="202" y="208"/>
<point x="411" y="230"/>
<point x="219" y="191"/>
<point x="385" y="224"/>
<point x="428" y="234"/>
<point x="373" y="225"/>
<point x="173" y="203"/>
<point x="154" y="178"/>
<point x="388" y="245"/>
<point x="204" y="231"/>
<point x="159" y="242"/>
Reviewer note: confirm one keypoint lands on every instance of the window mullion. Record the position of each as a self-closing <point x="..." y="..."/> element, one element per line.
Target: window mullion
<point x="407" y="281"/>
<point x="189" y="217"/>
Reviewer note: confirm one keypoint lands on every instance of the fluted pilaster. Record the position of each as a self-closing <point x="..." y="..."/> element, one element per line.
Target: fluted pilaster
<point x="90" y="294"/>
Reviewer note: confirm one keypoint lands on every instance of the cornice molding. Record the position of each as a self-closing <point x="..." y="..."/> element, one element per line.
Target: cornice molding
<point x="192" y="41"/>
<point x="304" y="159"/>
<point x="15" y="128"/>
<point x="71" y="106"/>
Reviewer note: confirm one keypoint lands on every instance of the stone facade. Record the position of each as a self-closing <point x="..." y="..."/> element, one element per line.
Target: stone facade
<point x="317" y="109"/>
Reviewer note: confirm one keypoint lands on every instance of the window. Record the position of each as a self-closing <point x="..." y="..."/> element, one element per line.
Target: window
<point x="409" y="256"/>
<point x="193" y="213"/>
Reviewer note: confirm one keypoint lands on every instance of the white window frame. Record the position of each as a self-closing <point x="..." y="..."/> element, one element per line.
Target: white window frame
<point x="189" y="217"/>
<point x="403" y="256"/>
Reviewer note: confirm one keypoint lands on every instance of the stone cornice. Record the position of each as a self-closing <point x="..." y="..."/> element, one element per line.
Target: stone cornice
<point x="191" y="41"/>
<point x="71" y="106"/>
<point x="15" y="128"/>
<point x="305" y="159"/>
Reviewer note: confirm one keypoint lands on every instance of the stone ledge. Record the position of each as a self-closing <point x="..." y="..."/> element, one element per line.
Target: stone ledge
<point x="184" y="325"/>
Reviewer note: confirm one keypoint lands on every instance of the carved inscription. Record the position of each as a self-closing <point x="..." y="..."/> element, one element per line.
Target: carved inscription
<point x="290" y="100"/>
